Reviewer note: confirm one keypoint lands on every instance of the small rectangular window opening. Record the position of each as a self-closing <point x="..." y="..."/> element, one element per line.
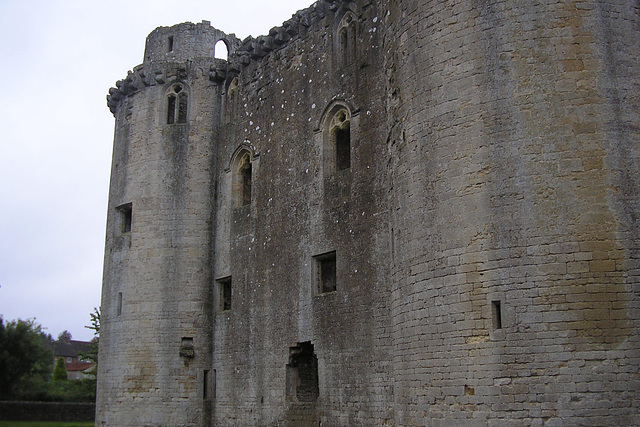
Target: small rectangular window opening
<point x="224" y="293"/>
<point x="126" y="217"/>
<point x="170" y="43"/>
<point x="119" y="304"/>
<point x="326" y="272"/>
<point x="496" y="312"/>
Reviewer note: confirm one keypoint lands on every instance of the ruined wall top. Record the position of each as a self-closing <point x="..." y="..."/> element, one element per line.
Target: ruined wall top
<point x="187" y="41"/>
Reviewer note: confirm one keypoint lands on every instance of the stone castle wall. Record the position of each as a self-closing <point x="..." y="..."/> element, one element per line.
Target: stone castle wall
<point x="381" y="213"/>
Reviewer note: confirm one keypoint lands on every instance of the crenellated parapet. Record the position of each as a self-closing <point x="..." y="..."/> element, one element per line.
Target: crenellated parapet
<point x="180" y="44"/>
<point x="140" y="78"/>
<point x="261" y="46"/>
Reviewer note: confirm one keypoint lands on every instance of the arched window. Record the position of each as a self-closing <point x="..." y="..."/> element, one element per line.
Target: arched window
<point x="241" y="179"/>
<point x="336" y="130"/>
<point x="346" y="39"/>
<point x="221" y="50"/>
<point x="232" y="96"/>
<point x="177" y="100"/>
<point x="340" y="133"/>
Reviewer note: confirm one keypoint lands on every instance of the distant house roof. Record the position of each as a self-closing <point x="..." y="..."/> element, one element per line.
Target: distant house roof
<point x="70" y="348"/>
<point x="78" y="366"/>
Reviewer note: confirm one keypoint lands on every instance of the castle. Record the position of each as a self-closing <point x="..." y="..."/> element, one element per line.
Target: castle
<point x="381" y="213"/>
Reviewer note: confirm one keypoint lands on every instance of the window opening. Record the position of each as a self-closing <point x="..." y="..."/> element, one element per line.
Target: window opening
<point x="170" y="43"/>
<point x="496" y="311"/>
<point x="186" y="347"/>
<point x="343" y="148"/>
<point x="126" y="217"/>
<point x="347" y="39"/>
<point x="119" y="304"/>
<point x="171" y="110"/>
<point x="221" y="51"/>
<point x="326" y="272"/>
<point x="340" y="140"/>
<point x="242" y="179"/>
<point x="177" y="101"/>
<point x="224" y="294"/>
<point x="302" y="373"/>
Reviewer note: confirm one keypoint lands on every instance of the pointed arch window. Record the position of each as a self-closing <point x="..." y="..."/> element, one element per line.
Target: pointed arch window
<point x="346" y="39"/>
<point x="337" y="139"/>
<point x="177" y="104"/>
<point x="241" y="180"/>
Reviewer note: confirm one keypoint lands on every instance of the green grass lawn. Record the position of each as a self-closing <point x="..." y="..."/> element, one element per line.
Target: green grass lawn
<point x="43" y="424"/>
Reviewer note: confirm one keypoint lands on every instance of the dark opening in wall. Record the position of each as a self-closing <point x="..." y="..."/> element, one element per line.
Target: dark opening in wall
<point x="302" y="373"/>
<point x="343" y="148"/>
<point x="171" y="109"/>
<point x="337" y="140"/>
<point x="170" y="49"/>
<point x="126" y="217"/>
<point x="205" y="385"/>
<point x="119" y="304"/>
<point x="224" y="294"/>
<point x="186" y="347"/>
<point x="326" y="272"/>
<point x="496" y="314"/>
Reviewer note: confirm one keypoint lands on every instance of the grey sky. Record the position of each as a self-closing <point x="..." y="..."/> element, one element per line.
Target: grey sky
<point x="57" y="62"/>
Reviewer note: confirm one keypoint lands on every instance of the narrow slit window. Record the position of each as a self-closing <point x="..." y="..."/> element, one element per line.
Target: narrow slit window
<point x="170" y="44"/>
<point x="119" y="304"/>
<point x="496" y="312"/>
<point x="205" y="385"/>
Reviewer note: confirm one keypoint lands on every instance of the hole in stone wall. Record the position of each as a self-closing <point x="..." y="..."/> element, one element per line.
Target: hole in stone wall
<point x="170" y="43"/>
<point x="126" y="217"/>
<point x="496" y="314"/>
<point x="326" y="272"/>
<point x="224" y="294"/>
<point x="119" y="304"/>
<point x="221" y="51"/>
<point x="302" y="373"/>
<point x="186" y="347"/>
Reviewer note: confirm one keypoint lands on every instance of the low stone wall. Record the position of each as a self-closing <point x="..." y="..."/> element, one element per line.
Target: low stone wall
<point x="47" y="411"/>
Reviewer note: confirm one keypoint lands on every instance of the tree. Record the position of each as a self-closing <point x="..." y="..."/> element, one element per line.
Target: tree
<point x="65" y="336"/>
<point x="60" y="371"/>
<point x="25" y="357"/>
<point x="92" y="354"/>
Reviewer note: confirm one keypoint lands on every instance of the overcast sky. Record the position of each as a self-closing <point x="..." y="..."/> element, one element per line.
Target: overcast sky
<point x="58" y="60"/>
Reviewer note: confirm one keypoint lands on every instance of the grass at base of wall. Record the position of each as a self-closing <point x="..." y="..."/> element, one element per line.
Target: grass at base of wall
<point x="44" y="424"/>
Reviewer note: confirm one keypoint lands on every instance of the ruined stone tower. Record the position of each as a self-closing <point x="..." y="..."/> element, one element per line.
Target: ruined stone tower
<point x="380" y="213"/>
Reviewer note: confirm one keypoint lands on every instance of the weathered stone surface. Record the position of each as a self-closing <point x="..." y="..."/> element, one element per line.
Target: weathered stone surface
<point x="479" y="226"/>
